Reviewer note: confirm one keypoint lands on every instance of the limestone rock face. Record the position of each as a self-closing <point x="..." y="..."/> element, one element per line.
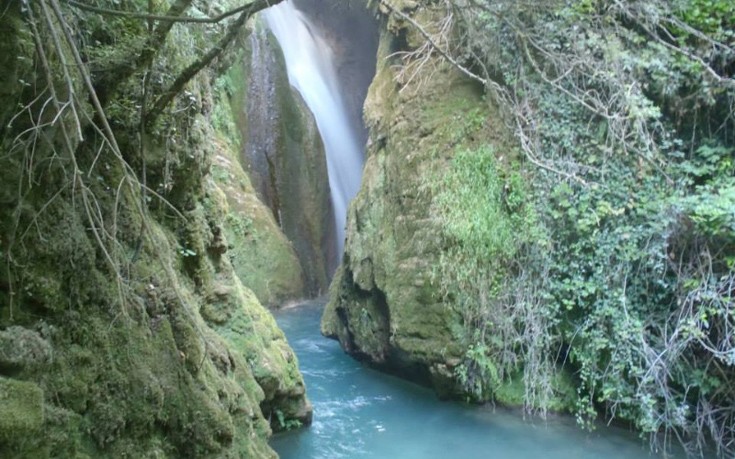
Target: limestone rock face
<point x="262" y="256"/>
<point x="388" y="304"/>
<point x="284" y="157"/>
<point x="142" y="341"/>
<point x="384" y="303"/>
<point x="282" y="151"/>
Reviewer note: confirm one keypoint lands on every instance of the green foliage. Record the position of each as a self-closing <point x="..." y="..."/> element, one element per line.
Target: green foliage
<point x="475" y="207"/>
<point x="222" y="117"/>
<point x="713" y="17"/>
<point x="489" y="229"/>
<point x="618" y="246"/>
<point x="287" y="424"/>
<point x="104" y="347"/>
<point x="21" y="403"/>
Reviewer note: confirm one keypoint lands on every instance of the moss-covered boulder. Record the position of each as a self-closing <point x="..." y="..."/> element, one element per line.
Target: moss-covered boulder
<point x="21" y="405"/>
<point x="261" y="255"/>
<point x="233" y="310"/>
<point x="384" y="305"/>
<point x="22" y="348"/>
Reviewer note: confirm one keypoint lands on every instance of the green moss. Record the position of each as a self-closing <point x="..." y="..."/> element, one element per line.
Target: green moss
<point x="22" y="348"/>
<point x="283" y="155"/>
<point x="261" y="255"/>
<point x="385" y="303"/>
<point x="252" y="330"/>
<point x="21" y="405"/>
<point x="104" y="346"/>
<point x="562" y="398"/>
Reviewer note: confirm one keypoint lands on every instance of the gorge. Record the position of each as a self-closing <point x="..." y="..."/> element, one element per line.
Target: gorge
<point x="360" y="413"/>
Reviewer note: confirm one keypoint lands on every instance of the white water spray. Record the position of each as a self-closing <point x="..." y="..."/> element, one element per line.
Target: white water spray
<point x="311" y="71"/>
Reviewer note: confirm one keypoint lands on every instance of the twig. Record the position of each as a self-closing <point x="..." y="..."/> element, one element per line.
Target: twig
<point x="439" y="49"/>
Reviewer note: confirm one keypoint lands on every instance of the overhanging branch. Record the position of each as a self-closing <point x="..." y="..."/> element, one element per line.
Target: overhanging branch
<point x="189" y="72"/>
<point x="157" y="17"/>
<point x="444" y="53"/>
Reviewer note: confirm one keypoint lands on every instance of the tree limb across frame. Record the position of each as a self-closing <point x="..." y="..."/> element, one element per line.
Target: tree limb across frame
<point x="189" y="72"/>
<point x="175" y="14"/>
<point x="163" y="17"/>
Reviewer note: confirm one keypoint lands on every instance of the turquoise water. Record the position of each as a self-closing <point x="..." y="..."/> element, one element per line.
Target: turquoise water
<point x="360" y="413"/>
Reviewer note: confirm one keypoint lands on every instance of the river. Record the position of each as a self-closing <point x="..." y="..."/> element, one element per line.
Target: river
<point x="360" y="413"/>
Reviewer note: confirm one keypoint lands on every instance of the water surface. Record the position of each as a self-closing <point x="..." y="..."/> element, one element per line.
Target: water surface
<point x="360" y="413"/>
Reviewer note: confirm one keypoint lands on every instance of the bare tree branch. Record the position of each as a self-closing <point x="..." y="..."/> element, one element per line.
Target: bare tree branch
<point x="154" y="42"/>
<point x="444" y="53"/>
<point x="189" y="72"/>
<point x="158" y="17"/>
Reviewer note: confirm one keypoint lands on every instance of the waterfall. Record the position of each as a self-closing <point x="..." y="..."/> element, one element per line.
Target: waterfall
<point x="311" y="71"/>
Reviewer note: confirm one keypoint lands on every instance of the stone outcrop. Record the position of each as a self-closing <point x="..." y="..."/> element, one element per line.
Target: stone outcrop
<point x="282" y="151"/>
<point x="283" y="155"/>
<point x="262" y="256"/>
<point x="385" y="306"/>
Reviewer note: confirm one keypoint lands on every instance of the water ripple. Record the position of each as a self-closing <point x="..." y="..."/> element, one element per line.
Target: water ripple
<point x="362" y="414"/>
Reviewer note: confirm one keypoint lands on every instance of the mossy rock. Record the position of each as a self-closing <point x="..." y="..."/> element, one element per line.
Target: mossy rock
<point x="103" y="345"/>
<point x="261" y="255"/>
<point x="386" y="305"/>
<point x="283" y="155"/>
<point x="22" y="348"/>
<point x="252" y="331"/>
<point x="21" y="405"/>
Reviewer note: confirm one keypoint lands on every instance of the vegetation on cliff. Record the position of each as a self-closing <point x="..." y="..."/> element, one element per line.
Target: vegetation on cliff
<point x="585" y="209"/>
<point x="124" y="330"/>
<point x="262" y="256"/>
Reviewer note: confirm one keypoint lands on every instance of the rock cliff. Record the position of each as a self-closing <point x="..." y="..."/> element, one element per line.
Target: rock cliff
<point x="385" y="306"/>
<point x="391" y="302"/>
<point x="124" y="328"/>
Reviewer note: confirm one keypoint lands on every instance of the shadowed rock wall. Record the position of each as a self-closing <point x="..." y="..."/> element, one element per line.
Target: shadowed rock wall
<point x="284" y="157"/>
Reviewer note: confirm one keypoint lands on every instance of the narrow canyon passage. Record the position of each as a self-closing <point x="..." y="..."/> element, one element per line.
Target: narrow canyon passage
<point x="360" y="412"/>
<point x="367" y="229"/>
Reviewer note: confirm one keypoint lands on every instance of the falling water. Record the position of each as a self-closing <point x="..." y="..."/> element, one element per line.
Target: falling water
<point x="311" y="71"/>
